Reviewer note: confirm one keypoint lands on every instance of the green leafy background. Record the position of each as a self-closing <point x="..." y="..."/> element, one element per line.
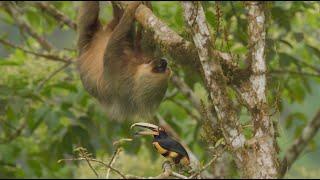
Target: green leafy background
<point x="61" y="115"/>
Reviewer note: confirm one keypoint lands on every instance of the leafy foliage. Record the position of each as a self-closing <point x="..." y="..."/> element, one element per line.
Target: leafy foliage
<point x="41" y="124"/>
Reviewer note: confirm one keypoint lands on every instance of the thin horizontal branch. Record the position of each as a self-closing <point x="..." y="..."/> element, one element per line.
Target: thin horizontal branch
<point x="95" y="160"/>
<point x="294" y="72"/>
<point x="172" y="43"/>
<point x="300" y="143"/>
<point x="47" y="56"/>
<point x="302" y="63"/>
<point x="55" y="13"/>
<point x="181" y="50"/>
<point x="84" y="155"/>
<point x="167" y="173"/>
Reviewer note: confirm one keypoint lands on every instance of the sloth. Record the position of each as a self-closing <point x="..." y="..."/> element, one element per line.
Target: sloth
<point x="127" y="80"/>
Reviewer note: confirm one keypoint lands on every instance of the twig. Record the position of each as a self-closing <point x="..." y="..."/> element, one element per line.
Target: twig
<point x="177" y="175"/>
<point x="167" y="173"/>
<point x="171" y="95"/>
<point x="117" y="144"/>
<point x="113" y="159"/>
<point x="55" y="13"/>
<point x="302" y="63"/>
<point x="83" y="153"/>
<point x="53" y="74"/>
<point x="121" y="141"/>
<point x="204" y="167"/>
<point x="186" y="91"/>
<point x="16" y="15"/>
<point x="186" y="108"/>
<point x="17" y="132"/>
<point x="95" y="160"/>
<point x="300" y="143"/>
<point x="295" y="73"/>
<point x="47" y="56"/>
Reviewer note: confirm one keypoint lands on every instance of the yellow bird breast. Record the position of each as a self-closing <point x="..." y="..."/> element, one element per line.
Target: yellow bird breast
<point x="159" y="148"/>
<point x="173" y="154"/>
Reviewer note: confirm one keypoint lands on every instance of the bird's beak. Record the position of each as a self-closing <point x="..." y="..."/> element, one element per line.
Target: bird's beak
<point x="152" y="127"/>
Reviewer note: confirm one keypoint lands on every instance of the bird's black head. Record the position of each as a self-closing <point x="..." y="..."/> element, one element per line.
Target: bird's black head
<point x="162" y="133"/>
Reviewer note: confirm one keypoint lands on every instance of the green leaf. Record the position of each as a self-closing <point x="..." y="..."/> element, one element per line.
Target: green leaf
<point x="298" y="93"/>
<point x="33" y="18"/>
<point x="298" y="131"/>
<point x="286" y="43"/>
<point x="211" y="18"/>
<point x="296" y="116"/>
<point x="39" y="115"/>
<point x="5" y="90"/>
<point x="313" y="50"/>
<point x="65" y="85"/>
<point x="285" y="59"/>
<point x="10" y="63"/>
<point x="66" y="144"/>
<point x="298" y="36"/>
<point x="281" y="16"/>
<point x="35" y="166"/>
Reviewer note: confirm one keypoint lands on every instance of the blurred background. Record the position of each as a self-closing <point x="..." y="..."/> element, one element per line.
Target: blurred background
<point x="45" y="115"/>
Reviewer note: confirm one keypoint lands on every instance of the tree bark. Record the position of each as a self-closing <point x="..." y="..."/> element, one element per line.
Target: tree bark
<point x="263" y="162"/>
<point x="215" y="81"/>
<point x="259" y="160"/>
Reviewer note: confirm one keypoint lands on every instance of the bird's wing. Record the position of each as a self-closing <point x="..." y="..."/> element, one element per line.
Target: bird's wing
<point x="172" y="145"/>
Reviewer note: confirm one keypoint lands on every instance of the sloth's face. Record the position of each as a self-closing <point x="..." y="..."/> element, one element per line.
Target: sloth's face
<point x="155" y="68"/>
<point x="151" y="82"/>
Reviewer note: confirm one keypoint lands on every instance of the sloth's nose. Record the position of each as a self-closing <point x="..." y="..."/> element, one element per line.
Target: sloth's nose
<point x="160" y="65"/>
<point x="163" y="63"/>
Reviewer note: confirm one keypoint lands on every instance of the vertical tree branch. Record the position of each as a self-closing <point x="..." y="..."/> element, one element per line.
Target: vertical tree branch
<point x="264" y="159"/>
<point x="215" y="80"/>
